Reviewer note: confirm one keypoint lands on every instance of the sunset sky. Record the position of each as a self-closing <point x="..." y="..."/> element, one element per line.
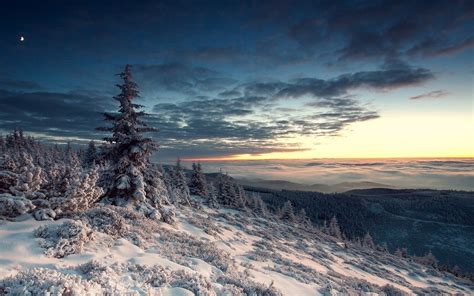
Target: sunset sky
<point x="248" y="79"/>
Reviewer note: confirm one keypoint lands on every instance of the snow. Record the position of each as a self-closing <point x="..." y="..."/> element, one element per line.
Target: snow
<point x="290" y="260"/>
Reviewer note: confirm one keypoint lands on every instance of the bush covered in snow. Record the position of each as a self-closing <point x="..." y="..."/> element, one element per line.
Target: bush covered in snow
<point x="206" y="224"/>
<point x="43" y="281"/>
<point x="178" y="245"/>
<point x="94" y="278"/>
<point x="64" y="239"/>
<point x="120" y="222"/>
<point x="247" y="286"/>
<point x="44" y="214"/>
<point x="12" y="206"/>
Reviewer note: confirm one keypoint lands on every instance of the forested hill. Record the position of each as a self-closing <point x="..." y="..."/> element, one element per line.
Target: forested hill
<point x="420" y="220"/>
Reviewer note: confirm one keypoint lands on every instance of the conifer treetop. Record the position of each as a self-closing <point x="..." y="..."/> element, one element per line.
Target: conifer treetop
<point x="128" y="125"/>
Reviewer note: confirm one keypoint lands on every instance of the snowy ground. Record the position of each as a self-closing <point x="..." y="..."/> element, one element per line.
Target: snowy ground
<point x="207" y="252"/>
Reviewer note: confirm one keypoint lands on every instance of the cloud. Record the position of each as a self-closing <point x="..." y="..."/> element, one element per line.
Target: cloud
<point x="230" y="93"/>
<point x="431" y="95"/>
<point x="180" y="78"/>
<point x="372" y="30"/>
<point x="402" y="173"/>
<point x="384" y="79"/>
<point x="257" y="118"/>
<point x="210" y="113"/>
<point x="432" y="48"/>
<point x="11" y="84"/>
<point x="53" y="114"/>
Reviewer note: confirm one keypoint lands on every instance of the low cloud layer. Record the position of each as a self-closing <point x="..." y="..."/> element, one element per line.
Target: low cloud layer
<point x="409" y="173"/>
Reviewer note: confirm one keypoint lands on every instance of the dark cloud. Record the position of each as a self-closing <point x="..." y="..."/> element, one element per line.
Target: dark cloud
<point x="230" y="93"/>
<point x="257" y="119"/>
<point x="431" y="95"/>
<point x="180" y="78"/>
<point x="432" y="47"/>
<point x="384" y="79"/>
<point x="53" y="114"/>
<point x="381" y="29"/>
<point x="11" y="84"/>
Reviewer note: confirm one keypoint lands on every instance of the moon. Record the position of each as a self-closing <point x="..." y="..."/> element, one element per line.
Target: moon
<point x="22" y="38"/>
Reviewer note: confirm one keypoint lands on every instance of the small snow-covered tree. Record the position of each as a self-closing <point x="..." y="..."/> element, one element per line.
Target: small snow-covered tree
<point x="260" y="207"/>
<point x="227" y="194"/>
<point x="91" y="154"/>
<point x="179" y="185"/>
<point x="368" y="242"/>
<point x="428" y="259"/>
<point x="2" y="144"/>
<point x="80" y="195"/>
<point x="240" y="195"/>
<point x="212" y="196"/>
<point x="198" y="184"/>
<point x="334" y="229"/>
<point x="401" y="252"/>
<point x="128" y="150"/>
<point x="30" y="179"/>
<point x="156" y="188"/>
<point x="8" y="177"/>
<point x="287" y="212"/>
<point x="303" y="219"/>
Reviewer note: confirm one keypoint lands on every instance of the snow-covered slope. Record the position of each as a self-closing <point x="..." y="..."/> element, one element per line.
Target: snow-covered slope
<point x="206" y="252"/>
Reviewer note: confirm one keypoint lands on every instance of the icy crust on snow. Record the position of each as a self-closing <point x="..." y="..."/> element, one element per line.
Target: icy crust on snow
<point x="114" y="250"/>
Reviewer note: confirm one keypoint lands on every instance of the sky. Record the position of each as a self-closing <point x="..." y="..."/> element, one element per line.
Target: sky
<point x="247" y="80"/>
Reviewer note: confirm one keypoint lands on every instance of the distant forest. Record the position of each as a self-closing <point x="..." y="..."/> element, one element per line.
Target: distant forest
<point x="419" y="220"/>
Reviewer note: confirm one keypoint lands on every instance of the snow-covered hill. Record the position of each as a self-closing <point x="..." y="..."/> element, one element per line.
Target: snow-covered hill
<point x="116" y="251"/>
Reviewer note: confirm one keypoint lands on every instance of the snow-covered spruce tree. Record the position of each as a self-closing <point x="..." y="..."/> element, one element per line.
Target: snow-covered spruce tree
<point x="2" y="145"/>
<point x="90" y="156"/>
<point x="81" y="193"/>
<point x="368" y="242"/>
<point x="212" y="196"/>
<point x="180" y="185"/>
<point x="129" y="150"/>
<point x="226" y="192"/>
<point x="241" y="197"/>
<point x="401" y="252"/>
<point x="198" y="184"/>
<point x="428" y="259"/>
<point x="8" y="177"/>
<point x="287" y="212"/>
<point x="257" y="205"/>
<point x="303" y="219"/>
<point x="30" y="179"/>
<point x="334" y="229"/>
<point x="156" y="189"/>
<point x="167" y="176"/>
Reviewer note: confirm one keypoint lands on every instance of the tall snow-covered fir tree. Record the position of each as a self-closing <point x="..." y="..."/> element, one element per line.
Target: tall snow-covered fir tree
<point x="129" y="149"/>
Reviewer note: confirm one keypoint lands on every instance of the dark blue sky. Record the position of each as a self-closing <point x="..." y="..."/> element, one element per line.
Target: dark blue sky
<point x="239" y="77"/>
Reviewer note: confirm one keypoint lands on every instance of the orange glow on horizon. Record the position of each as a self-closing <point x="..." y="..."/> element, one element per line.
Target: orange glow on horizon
<point x="245" y="157"/>
<point x="391" y="137"/>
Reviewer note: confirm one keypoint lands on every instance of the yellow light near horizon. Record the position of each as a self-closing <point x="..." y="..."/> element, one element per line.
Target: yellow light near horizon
<point x="408" y="136"/>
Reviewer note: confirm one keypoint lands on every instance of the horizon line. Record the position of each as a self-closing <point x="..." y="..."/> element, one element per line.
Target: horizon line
<point x="207" y="159"/>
